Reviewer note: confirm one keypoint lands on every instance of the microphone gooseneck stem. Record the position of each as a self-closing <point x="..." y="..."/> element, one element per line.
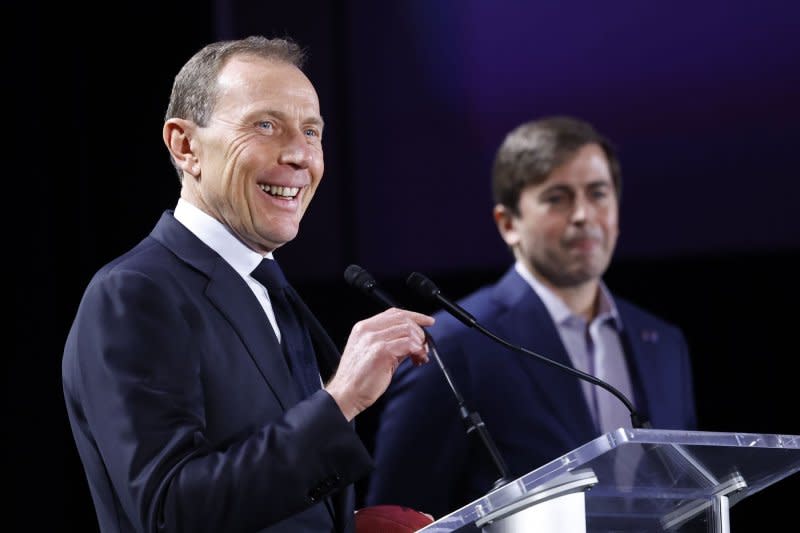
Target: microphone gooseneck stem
<point x="429" y="290"/>
<point x="472" y="420"/>
<point x="361" y="279"/>
<point x="636" y="420"/>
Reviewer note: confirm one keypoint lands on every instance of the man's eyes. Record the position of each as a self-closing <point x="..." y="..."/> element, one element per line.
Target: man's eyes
<point x="561" y="198"/>
<point x="555" y="198"/>
<point x="270" y="126"/>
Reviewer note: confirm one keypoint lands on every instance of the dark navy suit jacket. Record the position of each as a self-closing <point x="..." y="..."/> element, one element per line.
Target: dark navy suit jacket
<point x="535" y="413"/>
<point x="182" y="407"/>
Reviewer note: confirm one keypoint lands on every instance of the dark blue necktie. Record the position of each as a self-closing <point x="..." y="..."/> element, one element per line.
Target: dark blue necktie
<point x="295" y="342"/>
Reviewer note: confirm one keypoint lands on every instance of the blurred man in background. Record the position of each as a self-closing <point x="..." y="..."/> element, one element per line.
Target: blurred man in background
<point x="556" y="184"/>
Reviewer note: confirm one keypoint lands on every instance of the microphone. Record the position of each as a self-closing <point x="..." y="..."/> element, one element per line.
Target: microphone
<point x="430" y="292"/>
<point x="357" y="277"/>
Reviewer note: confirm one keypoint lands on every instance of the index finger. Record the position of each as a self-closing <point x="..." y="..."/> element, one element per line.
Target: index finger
<point x="420" y="319"/>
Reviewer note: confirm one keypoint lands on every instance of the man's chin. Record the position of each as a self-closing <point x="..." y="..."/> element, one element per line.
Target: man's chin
<point x="273" y="240"/>
<point x="590" y="265"/>
<point x="575" y="277"/>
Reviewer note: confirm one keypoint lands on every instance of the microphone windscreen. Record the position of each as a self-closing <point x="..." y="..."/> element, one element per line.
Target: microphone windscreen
<point x="359" y="278"/>
<point x="422" y="286"/>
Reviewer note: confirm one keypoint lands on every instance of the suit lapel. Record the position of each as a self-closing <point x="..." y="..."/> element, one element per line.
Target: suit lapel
<point x="236" y="302"/>
<point x="641" y="345"/>
<point x="527" y="323"/>
<point x="232" y="297"/>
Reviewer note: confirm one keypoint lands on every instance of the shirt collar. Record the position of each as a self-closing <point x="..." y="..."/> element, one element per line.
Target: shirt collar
<point x="218" y="237"/>
<point x="558" y="309"/>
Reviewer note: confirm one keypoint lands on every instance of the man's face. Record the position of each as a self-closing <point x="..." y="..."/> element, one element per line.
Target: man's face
<point x="260" y="156"/>
<point x="568" y="225"/>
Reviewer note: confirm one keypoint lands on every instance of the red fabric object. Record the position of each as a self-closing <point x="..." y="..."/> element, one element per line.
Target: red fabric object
<point x="390" y="519"/>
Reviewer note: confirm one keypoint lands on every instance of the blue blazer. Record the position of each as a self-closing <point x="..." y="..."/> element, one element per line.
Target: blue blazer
<point x="534" y="412"/>
<point x="183" y="410"/>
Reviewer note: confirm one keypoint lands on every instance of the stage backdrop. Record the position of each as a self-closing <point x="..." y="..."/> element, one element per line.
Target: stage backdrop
<point x="699" y="97"/>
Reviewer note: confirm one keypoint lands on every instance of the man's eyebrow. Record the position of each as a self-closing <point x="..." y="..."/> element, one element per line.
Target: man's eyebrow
<point x="600" y="182"/>
<point x="556" y="187"/>
<point x="315" y="120"/>
<point x="563" y="187"/>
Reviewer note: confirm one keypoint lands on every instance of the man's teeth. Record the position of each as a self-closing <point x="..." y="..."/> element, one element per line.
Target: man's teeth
<point x="285" y="192"/>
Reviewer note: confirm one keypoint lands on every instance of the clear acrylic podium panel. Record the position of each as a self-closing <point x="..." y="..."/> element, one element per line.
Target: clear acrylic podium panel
<point x="651" y="480"/>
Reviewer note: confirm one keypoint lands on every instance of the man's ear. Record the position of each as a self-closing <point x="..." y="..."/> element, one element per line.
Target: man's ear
<point x="177" y="135"/>
<point x="504" y="219"/>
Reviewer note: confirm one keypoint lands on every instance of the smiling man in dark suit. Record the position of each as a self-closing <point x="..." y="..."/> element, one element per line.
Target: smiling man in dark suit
<point x="202" y="394"/>
<point x="556" y="185"/>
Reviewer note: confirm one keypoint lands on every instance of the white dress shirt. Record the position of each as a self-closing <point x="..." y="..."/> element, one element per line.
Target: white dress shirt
<point x="242" y="258"/>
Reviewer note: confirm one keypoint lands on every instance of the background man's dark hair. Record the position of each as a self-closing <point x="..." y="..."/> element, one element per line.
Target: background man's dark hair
<point x="531" y="151"/>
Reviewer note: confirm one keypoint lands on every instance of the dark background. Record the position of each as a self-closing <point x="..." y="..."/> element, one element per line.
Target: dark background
<point x="699" y="97"/>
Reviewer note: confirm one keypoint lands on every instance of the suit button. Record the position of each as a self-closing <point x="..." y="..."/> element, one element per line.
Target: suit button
<point x="313" y="495"/>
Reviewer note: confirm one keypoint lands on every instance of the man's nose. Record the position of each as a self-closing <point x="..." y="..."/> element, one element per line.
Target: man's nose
<point x="296" y="151"/>
<point x="581" y="209"/>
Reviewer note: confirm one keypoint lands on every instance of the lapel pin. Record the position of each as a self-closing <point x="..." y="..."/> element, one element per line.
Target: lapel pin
<point x="650" y="335"/>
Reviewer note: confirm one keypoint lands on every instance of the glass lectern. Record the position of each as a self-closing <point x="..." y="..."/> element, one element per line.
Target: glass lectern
<point x="635" y="480"/>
